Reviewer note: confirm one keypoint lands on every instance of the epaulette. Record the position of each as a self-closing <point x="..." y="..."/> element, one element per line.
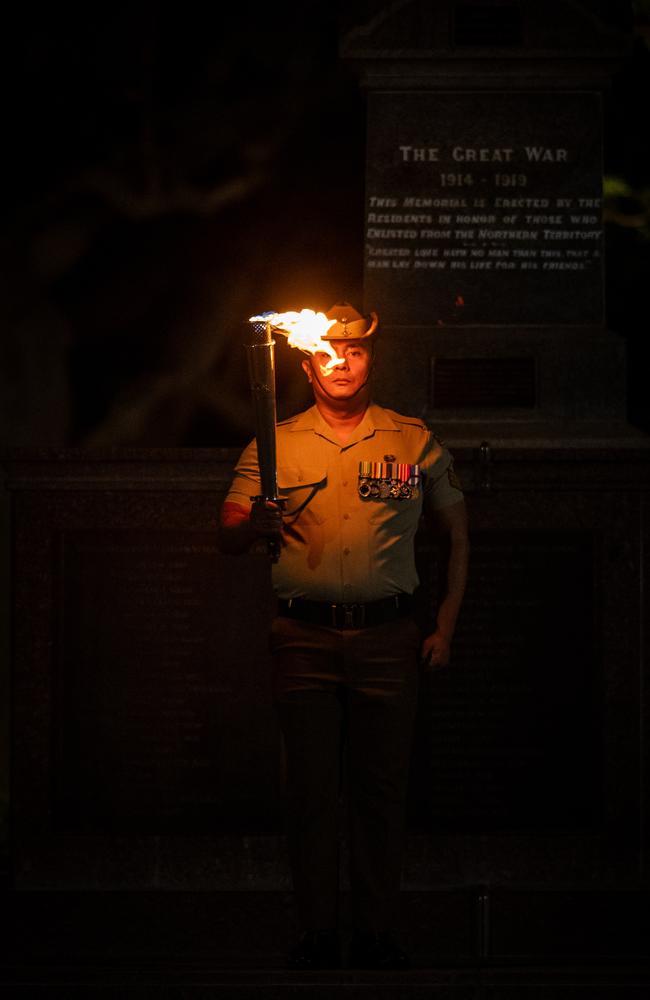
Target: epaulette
<point x="289" y="420"/>
<point x="400" y="418"/>
<point x="435" y="437"/>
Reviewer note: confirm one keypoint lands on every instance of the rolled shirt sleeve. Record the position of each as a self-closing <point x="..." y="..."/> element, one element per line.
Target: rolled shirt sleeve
<point x="441" y="484"/>
<point x="246" y="481"/>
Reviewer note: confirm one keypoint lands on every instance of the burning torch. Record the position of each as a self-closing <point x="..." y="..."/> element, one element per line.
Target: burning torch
<point x="261" y="374"/>
<point x="303" y="330"/>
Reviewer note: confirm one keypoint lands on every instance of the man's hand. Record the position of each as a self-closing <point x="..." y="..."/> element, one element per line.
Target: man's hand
<point x="450" y="524"/>
<point x="436" y="651"/>
<point x="266" y="518"/>
<point x="240" y="528"/>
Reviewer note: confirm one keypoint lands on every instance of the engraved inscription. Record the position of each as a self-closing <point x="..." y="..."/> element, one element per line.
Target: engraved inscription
<point x="498" y="220"/>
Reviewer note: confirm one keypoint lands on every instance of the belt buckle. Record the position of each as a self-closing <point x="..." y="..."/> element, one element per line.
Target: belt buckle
<point x="354" y="616"/>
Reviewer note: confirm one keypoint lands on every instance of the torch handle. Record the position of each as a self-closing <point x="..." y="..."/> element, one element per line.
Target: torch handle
<point x="261" y="373"/>
<point x="273" y="545"/>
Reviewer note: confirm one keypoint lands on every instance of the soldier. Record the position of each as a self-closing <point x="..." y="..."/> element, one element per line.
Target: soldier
<point x="346" y="648"/>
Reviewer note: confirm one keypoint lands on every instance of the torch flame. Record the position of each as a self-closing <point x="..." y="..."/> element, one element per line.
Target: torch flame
<point x="304" y="330"/>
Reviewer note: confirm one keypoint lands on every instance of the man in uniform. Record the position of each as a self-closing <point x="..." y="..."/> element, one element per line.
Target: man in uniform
<point x="346" y="649"/>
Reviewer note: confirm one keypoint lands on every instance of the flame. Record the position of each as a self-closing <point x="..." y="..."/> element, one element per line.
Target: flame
<point x="304" y="330"/>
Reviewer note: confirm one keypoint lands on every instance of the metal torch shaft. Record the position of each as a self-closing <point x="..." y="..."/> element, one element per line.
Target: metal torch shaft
<point x="261" y="373"/>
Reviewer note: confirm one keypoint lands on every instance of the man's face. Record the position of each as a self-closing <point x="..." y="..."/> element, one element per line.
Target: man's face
<point x="348" y="378"/>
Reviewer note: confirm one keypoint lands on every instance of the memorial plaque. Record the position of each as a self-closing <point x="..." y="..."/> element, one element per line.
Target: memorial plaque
<point x="508" y="735"/>
<point x="484" y="208"/>
<point x="157" y="729"/>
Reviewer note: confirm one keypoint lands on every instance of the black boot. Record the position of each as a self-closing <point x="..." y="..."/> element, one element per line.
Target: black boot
<point x="316" y="950"/>
<point x="376" y="951"/>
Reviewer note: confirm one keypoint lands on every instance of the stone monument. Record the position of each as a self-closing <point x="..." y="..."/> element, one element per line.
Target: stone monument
<point x="483" y="224"/>
<point x="484" y="257"/>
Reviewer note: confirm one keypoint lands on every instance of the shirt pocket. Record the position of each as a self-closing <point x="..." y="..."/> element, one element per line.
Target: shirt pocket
<point x="391" y="513"/>
<point x="301" y="487"/>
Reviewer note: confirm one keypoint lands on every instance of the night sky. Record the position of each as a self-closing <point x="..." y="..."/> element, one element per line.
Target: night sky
<point x="169" y="172"/>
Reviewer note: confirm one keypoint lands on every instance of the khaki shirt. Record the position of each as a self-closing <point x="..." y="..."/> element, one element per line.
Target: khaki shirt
<point x="340" y="547"/>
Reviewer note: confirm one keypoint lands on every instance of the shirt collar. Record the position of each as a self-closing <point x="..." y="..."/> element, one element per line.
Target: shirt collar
<point x="376" y="418"/>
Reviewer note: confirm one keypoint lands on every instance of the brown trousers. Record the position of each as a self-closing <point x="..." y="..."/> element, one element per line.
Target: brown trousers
<point x="346" y="697"/>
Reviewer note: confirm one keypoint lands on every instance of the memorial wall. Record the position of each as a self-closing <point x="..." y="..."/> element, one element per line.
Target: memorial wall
<point x="145" y="748"/>
<point x="151" y="694"/>
<point x="508" y="738"/>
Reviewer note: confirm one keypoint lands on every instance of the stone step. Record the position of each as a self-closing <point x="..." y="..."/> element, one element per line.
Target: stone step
<point x="505" y="943"/>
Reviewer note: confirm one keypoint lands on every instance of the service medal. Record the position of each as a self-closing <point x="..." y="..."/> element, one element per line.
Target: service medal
<point x="388" y="480"/>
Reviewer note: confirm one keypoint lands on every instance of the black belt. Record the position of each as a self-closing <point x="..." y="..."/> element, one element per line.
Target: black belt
<point x="347" y="615"/>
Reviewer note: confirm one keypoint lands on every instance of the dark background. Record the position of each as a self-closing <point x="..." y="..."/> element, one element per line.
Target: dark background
<point x="170" y="169"/>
